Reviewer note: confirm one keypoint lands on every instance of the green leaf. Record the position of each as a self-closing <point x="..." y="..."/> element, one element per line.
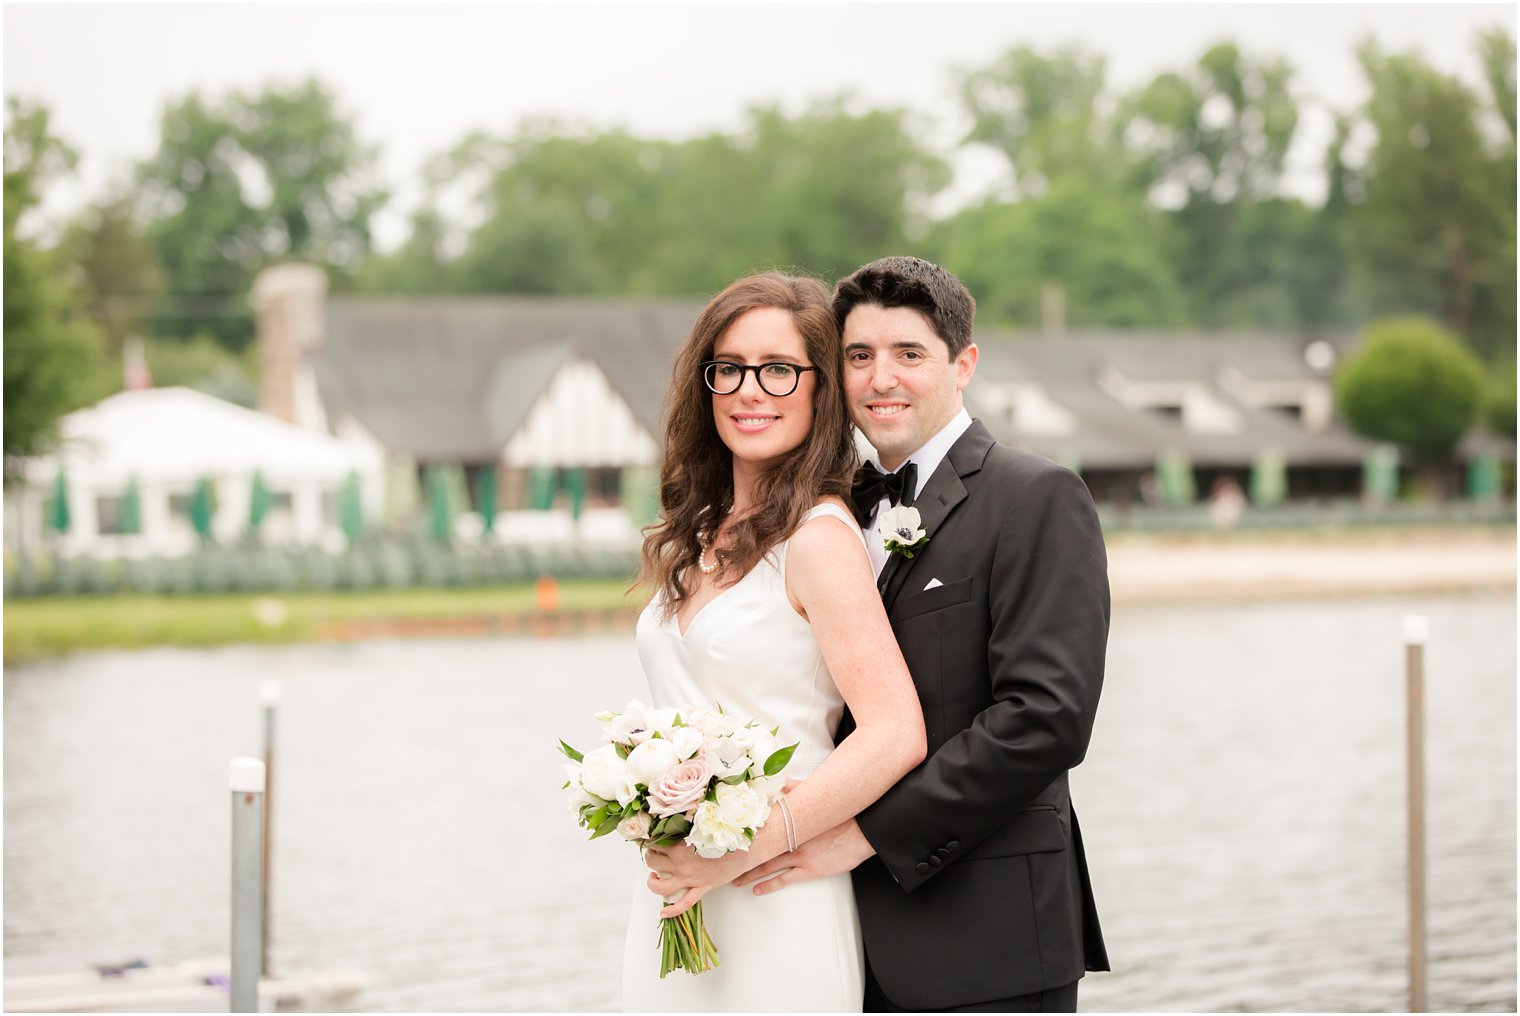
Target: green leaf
<point x="608" y="824"/>
<point x="570" y="752"/>
<point x="779" y="759"/>
<point x="622" y="752"/>
<point x="736" y="779"/>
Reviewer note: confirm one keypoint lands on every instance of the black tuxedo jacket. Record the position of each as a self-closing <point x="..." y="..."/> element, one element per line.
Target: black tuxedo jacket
<point x="979" y="888"/>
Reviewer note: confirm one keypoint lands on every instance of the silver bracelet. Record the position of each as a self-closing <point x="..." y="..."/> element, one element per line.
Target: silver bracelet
<point x="790" y="823"/>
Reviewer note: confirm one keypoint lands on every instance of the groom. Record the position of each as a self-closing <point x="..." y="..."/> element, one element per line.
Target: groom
<point x="969" y="873"/>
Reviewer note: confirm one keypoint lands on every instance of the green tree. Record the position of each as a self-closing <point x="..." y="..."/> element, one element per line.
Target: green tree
<point x="1211" y="142"/>
<point x="1499" y="400"/>
<point x="241" y="182"/>
<point x="119" y="276"/>
<point x="1435" y="232"/>
<point x="1099" y="246"/>
<point x="1049" y="116"/>
<point x="567" y="211"/>
<point x="1411" y="383"/>
<point x="53" y="362"/>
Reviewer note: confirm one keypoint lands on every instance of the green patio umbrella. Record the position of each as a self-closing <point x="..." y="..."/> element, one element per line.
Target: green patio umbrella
<point x="543" y="482"/>
<point x="203" y="508"/>
<point x="58" y="504"/>
<point x="1269" y="478"/>
<point x="1483" y="477"/>
<point x="1174" y="477"/>
<point x="439" y="516"/>
<point x="260" y="500"/>
<point x="403" y="496"/>
<point x="575" y="487"/>
<point x="487" y="500"/>
<point x="131" y="508"/>
<point x="1380" y="474"/>
<point x="351" y="507"/>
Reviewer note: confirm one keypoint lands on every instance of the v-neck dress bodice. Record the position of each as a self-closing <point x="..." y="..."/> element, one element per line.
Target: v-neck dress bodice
<point x="798" y="949"/>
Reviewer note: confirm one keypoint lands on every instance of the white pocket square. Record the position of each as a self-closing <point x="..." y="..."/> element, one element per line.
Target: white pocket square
<point x="933" y="584"/>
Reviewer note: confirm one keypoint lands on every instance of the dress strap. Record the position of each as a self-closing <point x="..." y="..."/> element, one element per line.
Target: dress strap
<point x="830" y="508"/>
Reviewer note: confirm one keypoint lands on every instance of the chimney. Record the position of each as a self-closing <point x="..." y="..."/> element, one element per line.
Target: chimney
<point x="288" y="301"/>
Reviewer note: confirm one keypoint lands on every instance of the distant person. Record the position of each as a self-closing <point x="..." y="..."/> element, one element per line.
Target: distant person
<point x="969" y="873"/>
<point x="1227" y="503"/>
<point x="764" y="602"/>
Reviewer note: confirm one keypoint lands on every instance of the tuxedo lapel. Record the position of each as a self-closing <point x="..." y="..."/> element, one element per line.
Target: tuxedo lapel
<point x="941" y="494"/>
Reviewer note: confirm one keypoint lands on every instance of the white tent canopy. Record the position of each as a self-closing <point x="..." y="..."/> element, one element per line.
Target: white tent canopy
<point x="167" y="440"/>
<point x="178" y="435"/>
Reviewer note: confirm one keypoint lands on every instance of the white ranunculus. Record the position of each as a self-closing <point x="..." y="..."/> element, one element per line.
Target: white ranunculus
<point x="763" y="748"/>
<point x="720" y="725"/>
<point x="636" y="827"/>
<point x="662" y="721"/>
<point x="768" y="786"/>
<point x="607" y="776"/>
<point x="630" y="726"/>
<point x="727" y="757"/>
<point x="715" y="832"/>
<point x="651" y="759"/>
<point x="743" y="804"/>
<point x="575" y="794"/>
<point x="687" y="741"/>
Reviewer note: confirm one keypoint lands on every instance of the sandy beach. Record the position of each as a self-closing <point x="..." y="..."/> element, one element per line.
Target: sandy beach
<point x="1145" y="569"/>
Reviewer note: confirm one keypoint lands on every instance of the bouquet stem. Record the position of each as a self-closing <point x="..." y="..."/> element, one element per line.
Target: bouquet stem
<point x="685" y="944"/>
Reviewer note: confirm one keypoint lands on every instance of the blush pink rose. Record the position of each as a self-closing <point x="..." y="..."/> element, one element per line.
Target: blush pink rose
<point x="678" y="790"/>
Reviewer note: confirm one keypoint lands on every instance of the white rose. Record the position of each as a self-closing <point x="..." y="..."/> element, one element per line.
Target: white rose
<point x="628" y="727"/>
<point x="714" y="831"/>
<point x="727" y="757"/>
<point x="743" y="805"/>
<point x="768" y="787"/>
<point x="636" y="827"/>
<point x="649" y="760"/>
<point x="607" y="776"/>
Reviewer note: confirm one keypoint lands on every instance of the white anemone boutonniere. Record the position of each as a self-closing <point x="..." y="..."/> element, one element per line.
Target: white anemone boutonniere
<point x="901" y="531"/>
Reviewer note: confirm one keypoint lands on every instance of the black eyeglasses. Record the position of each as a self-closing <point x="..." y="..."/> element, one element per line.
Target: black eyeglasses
<point x="777" y="378"/>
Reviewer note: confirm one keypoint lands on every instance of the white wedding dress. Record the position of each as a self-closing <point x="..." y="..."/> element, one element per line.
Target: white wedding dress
<point x="796" y="950"/>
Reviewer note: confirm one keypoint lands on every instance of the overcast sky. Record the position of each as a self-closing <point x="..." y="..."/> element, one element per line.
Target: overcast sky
<point x="418" y="78"/>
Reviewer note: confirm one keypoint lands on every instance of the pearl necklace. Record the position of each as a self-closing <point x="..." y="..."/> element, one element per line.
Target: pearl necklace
<point x="707" y="569"/>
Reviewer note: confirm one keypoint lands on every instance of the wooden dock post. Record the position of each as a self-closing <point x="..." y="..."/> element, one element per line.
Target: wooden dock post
<point x="1416" y="633"/>
<point x="247" y="781"/>
<point x="269" y="694"/>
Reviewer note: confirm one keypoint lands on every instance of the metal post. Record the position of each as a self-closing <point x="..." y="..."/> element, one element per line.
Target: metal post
<point x="1416" y="632"/>
<point x="270" y="694"/>
<point x="247" y="779"/>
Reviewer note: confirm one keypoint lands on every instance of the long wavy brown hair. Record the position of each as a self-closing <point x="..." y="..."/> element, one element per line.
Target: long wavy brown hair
<point x="696" y="469"/>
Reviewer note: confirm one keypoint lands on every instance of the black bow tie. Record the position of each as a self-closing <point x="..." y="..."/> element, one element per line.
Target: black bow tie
<point x="871" y="485"/>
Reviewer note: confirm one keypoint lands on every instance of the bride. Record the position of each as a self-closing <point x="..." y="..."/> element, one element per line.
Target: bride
<point x="764" y="601"/>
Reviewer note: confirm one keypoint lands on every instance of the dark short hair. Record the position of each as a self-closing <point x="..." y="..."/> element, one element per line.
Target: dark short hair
<point x="916" y="283"/>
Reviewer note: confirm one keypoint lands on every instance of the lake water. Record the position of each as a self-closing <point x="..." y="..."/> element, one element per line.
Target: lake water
<point x="1242" y="802"/>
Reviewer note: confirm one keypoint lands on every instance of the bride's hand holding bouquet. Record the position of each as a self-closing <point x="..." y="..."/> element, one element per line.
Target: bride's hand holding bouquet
<point x="662" y="777"/>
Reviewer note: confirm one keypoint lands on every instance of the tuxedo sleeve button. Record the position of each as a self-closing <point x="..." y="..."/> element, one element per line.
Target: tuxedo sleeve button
<point x="922" y="867"/>
<point x="953" y="845"/>
<point x="936" y="861"/>
<point x="942" y="852"/>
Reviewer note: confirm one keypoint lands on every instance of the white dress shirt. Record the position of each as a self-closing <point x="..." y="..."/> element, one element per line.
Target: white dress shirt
<point x="927" y="459"/>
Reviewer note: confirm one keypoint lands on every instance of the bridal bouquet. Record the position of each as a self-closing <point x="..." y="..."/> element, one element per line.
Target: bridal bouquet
<point x="665" y="775"/>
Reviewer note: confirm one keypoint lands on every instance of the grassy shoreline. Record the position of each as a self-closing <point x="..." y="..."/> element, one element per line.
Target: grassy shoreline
<point x="1146" y="567"/>
<point x="51" y="626"/>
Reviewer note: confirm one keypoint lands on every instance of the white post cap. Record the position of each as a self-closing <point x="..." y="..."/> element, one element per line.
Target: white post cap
<point x="1416" y="630"/>
<point x="269" y="693"/>
<point x="247" y="776"/>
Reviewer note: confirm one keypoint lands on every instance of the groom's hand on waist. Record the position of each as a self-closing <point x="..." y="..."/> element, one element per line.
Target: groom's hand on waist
<point x="830" y="853"/>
